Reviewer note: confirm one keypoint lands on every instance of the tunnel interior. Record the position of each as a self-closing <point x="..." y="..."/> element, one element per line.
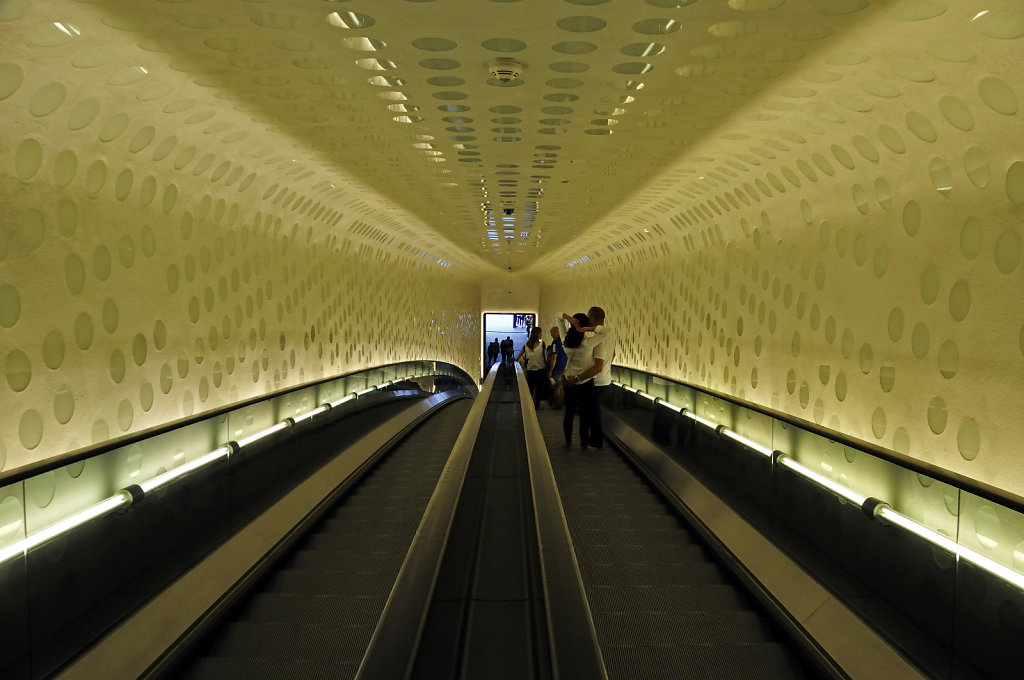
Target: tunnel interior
<point x="812" y="207"/>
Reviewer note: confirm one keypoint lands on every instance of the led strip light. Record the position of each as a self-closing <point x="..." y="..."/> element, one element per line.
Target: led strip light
<point x="119" y="500"/>
<point x="873" y="507"/>
<point x="132" y="494"/>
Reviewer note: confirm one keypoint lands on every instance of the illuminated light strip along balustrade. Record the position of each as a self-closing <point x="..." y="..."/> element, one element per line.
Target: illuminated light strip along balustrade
<point x="121" y="499"/>
<point x="126" y="497"/>
<point x="874" y="508"/>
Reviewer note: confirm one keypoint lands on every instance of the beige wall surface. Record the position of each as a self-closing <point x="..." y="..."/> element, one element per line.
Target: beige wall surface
<point x="163" y="254"/>
<point x="851" y="257"/>
<point x="509" y="292"/>
<point x="842" y="243"/>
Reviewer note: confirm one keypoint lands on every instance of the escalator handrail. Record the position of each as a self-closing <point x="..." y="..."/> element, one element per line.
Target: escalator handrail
<point x="572" y="637"/>
<point x="393" y="648"/>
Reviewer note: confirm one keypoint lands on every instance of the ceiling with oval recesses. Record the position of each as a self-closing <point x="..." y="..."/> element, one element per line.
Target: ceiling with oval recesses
<point x="513" y="127"/>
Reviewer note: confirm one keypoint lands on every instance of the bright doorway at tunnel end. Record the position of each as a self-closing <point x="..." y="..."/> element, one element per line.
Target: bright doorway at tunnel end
<point x="512" y="328"/>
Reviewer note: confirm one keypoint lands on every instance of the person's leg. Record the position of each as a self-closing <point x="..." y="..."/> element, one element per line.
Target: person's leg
<point x="596" y="432"/>
<point x="583" y="399"/>
<point x="570" y="413"/>
<point x="543" y="387"/>
<point x="533" y="379"/>
<point x="557" y="391"/>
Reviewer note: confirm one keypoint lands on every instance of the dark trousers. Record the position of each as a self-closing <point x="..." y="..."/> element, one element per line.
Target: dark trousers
<point x="576" y="399"/>
<point x="592" y="406"/>
<point x="538" y="382"/>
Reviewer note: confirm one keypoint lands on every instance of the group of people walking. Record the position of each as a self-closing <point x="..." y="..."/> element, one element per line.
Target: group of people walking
<point x="572" y="373"/>
<point x="506" y="348"/>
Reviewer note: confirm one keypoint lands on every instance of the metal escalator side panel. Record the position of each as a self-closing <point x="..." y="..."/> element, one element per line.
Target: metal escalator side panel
<point x="572" y="637"/>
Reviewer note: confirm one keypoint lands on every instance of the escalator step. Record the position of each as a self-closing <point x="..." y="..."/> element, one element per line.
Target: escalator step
<point x="381" y="513"/>
<point x="616" y="598"/>
<point x="318" y="609"/>
<point x="768" y="661"/>
<point x="686" y="628"/>
<point x="232" y="668"/>
<point x="622" y="575"/>
<point x="650" y="552"/>
<point x="345" y="559"/>
<point x="590" y="531"/>
<point x="613" y="519"/>
<point x="308" y="642"/>
<point x="337" y="582"/>
<point x="348" y="541"/>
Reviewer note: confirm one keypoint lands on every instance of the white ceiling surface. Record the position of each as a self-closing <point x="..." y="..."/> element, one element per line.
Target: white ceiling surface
<point x="618" y="101"/>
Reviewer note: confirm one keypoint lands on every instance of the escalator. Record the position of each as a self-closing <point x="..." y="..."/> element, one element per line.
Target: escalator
<point x="314" y="615"/>
<point x="663" y="606"/>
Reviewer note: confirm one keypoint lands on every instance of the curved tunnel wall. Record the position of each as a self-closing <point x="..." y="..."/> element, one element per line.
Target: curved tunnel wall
<point x="164" y="253"/>
<point x="845" y="248"/>
<point x="851" y="256"/>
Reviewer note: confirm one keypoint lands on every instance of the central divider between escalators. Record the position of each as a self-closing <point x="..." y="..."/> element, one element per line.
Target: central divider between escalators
<point x="486" y="617"/>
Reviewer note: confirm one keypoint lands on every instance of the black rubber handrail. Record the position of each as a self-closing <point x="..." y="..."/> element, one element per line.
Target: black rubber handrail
<point x="572" y="637"/>
<point x="393" y="648"/>
<point x="972" y="486"/>
<point x="49" y="464"/>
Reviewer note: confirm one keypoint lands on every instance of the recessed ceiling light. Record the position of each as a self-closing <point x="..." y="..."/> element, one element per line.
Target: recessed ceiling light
<point x="648" y="49"/>
<point x="349" y="20"/>
<point x="656" y="26"/>
<point x="385" y="81"/>
<point x="363" y="44"/>
<point x="376" y="64"/>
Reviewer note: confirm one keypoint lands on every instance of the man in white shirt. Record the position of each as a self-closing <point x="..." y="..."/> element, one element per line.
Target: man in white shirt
<point x="602" y="339"/>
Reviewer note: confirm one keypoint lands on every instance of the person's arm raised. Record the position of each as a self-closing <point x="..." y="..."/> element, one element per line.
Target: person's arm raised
<point x="576" y="324"/>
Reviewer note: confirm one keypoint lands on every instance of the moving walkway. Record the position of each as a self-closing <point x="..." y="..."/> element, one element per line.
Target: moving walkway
<point x="477" y="603"/>
<point x="462" y="542"/>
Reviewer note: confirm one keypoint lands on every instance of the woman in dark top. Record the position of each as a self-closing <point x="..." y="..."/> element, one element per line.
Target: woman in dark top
<point x="580" y="358"/>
